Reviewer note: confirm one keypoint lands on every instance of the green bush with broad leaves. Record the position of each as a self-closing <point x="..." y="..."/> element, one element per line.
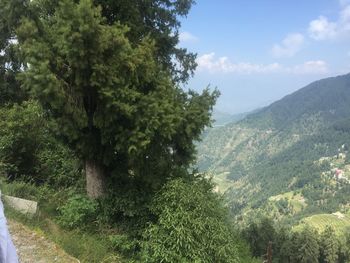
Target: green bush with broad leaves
<point x="191" y="225"/>
<point x="79" y="211"/>
<point x="123" y="244"/>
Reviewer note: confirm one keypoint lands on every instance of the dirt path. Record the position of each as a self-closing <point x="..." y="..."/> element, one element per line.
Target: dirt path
<point x="33" y="247"/>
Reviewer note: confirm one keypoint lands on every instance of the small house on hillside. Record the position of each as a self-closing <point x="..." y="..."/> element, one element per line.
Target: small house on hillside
<point x="338" y="174"/>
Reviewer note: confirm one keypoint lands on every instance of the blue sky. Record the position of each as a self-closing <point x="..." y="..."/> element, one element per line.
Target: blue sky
<point x="256" y="51"/>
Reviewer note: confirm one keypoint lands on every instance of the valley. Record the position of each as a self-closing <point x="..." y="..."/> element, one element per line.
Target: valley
<point x="288" y="161"/>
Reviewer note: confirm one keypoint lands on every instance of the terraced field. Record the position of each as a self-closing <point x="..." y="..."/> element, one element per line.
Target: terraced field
<point x="340" y="222"/>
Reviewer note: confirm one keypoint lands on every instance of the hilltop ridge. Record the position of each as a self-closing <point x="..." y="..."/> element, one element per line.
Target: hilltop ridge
<point x="277" y="150"/>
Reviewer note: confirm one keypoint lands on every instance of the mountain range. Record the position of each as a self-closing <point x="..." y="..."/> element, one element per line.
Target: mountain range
<point x="289" y="159"/>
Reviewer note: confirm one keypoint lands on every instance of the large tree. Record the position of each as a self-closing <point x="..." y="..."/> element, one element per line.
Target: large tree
<point x="308" y="247"/>
<point x="329" y="246"/>
<point x="10" y="61"/>
<point x="112" y="89"/>
<point x="159" y="19"/>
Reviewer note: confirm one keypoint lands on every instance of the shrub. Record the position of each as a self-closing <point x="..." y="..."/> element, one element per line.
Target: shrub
<point x="23" y="190"/>
<point x="21" y="130"/>
<point x="192" y="225"/>
<point x="78" y="212"/>
<point x="123" y="244"/>
<point x="57" y="165"/>
<point x="30" y="151"/>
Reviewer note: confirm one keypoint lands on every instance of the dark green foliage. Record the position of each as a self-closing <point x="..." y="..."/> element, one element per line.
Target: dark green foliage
<point x="159" y="19"/>
<point x="114" y="102"/>
<point x="11" y="12"/>
<point x="191" y="226"/>
<point x="30" y="151"/>
<point x="22" y="129"/>
<point x="57" y="165"/>
<point x="106" y="76"/>
<point x="127" y="204"/>
<point x="287" y="249"/>
<point x="330" y="246"/>
<point x="308" y="247"/>
<point x="344" y="248"/>
<point x="289" y="246"/>
<point x="124" y="244"/>
<point x="259" y="234"/>
<point x="79" y="211"/>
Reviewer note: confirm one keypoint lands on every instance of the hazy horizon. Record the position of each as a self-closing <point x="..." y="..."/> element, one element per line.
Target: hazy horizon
<point x="257" y="52"/>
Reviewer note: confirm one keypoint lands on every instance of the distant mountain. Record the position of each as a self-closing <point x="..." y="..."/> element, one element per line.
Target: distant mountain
<point x="221" y="118"/>
<point x="292" y="147"/>
<point x="328" y="96"/>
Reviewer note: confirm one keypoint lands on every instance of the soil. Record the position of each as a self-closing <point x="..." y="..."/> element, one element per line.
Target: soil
<point x="34" y="247"/>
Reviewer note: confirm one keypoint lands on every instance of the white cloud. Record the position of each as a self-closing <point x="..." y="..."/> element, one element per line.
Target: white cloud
<point x="187" y="37"/>
<point x="321" y="28"/>
<point x="208" y="62"/>
<point x="324" y="29"/>
<point x="310" y="67"/>
<point x="290" y="45"/>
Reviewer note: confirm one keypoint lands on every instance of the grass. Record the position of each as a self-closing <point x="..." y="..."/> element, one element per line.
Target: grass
<point x="222" y="182"/>
<point x="87" y="246"/>
<point x="295" y="200"/>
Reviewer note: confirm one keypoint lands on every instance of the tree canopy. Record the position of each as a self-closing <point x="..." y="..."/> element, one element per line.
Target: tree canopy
<point x="114" y="94"/>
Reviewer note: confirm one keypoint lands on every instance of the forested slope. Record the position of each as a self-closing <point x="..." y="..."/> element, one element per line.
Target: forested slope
<point x="294" y="145"/>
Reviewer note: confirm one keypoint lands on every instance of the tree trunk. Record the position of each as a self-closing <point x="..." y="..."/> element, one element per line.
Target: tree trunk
<point x="95" y="179"/>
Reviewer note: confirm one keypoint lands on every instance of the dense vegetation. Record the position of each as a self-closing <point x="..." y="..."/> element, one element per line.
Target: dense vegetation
<point x="289" y="161"/>
<point x="305" y="245"/>
<point x="95" y="127"/>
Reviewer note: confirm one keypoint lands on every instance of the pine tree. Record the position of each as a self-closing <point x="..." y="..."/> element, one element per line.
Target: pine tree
<point x="308" y="248"/>
<point x="329" y="246"/>
<point x="283" y="245"/>
<point x="116" y="101"/>
<point x="11" y="12"/>
<point x="259" y="234"/>
<point x="344" y="247"/>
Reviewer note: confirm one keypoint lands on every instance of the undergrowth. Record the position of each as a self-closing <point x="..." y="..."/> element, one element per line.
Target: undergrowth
<point x="88" y="245"/>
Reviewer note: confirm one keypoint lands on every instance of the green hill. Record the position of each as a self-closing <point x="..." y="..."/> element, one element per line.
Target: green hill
<point x="221" y="118"/>
<point x="288" y="146"/>
<point x="339" y="221"/>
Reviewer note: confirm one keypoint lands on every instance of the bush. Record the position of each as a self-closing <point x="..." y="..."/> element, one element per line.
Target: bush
<point x="57" y="165"/>
<point x="124" y="244"/>
<point x="192" y="225"/>
<point x="24" y="190"/>
<point x="21" y="131"/>
<point x="30" y="151"/>
<point x="78" y="212"/>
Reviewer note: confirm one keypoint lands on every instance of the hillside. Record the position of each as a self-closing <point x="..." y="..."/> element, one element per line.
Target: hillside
<point x="278" y="150"/>
<point x="221" y="118"/>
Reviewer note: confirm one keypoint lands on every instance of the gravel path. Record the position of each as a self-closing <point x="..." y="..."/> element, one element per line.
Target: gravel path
<point x="35" y="248"/>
